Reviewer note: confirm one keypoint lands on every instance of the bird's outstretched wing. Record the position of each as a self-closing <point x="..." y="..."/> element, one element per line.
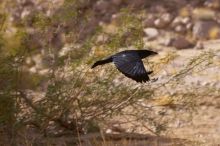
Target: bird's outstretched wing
<point x="131" y="65"/>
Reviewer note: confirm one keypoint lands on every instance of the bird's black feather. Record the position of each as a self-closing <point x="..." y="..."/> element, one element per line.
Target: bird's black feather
<point x="130" y="64"/>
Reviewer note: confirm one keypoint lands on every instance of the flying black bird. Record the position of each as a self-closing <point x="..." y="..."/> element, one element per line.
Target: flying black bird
<point x="130" y="64"/>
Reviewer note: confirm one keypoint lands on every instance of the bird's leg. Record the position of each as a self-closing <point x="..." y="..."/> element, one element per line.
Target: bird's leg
<point x="153" y="80"/>
<point x="149" y="72"/>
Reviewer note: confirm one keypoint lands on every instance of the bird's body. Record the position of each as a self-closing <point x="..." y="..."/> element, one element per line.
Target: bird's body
<point x="130" y="64"/>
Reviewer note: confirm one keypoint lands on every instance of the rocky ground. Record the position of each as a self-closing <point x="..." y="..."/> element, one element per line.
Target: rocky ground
<point x="204" y="82"/>
<point x="200" y="86"/>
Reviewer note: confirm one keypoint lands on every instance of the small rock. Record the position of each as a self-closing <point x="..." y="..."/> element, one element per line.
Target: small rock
<point x="180" y="21"/>
<point x="217" y="18"/>
<point x="180" y="43"/>
<point x="167" y="18"/>
<point x="29" y="62"/>
<point x="185" y="20"/>
<point x="108" y="131"/>
<point x="203" y="14"/>
<point x="151" y="32"/>
<point x="164" y="41"/>
<point x="38" y="61"/>
<point x="117" y="2"/>
<point x="137" y="3"/>
<point x="102" y="38"/>
<point x="25" y="13"/>
<point x="212" y="4"/>
<point x="206" y="29"/>
<point x="44" y="72"/>
<point x="33" y="70"/>
<point x="189" y="26"/>
<point x="102" y="6"/>
<point x="160" y="9"/>
<point x="204" y="83"/>
<point x="64" y="51"/>
<point x="160" y="23"/>
<point x="199" y="45"/>
<point x="176" y="21"/>
<point x="180" y="29"/>
<point x="185" y="11"/>
<point x="149" y="21"/>
<point x="214" y="33"/>
<point x="118" y="129"/>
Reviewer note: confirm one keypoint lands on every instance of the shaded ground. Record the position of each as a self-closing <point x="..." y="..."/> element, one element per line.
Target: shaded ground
<point x="124" y="139"/>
